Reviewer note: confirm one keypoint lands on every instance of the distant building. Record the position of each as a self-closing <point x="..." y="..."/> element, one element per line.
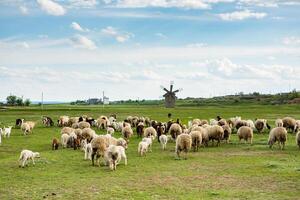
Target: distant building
<point x="106" y="100"/>
<point x="94" y="101"/>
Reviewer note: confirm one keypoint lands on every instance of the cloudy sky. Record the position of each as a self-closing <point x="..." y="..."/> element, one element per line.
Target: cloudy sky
<point x="75" y="49"/>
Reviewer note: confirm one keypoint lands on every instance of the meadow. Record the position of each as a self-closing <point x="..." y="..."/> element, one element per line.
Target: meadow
<point x="231" y="171"/>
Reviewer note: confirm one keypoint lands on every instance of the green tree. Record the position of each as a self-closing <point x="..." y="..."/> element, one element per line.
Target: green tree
<point x="27" y="102"/>
<point x="19" y="101"/>
<point x="11" y="100"/>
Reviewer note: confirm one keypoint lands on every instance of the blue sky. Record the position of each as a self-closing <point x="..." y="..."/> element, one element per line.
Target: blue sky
<point x="74" y="49"/>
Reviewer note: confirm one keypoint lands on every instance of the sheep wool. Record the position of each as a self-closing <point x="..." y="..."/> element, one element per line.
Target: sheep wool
<point x="183" y="144"/>
<point x="278" y="134"/>
<point x="245" y="133"/>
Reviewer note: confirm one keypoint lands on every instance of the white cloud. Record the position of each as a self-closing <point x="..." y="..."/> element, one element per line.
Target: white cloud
<point x="196" y="45"/>
<point x="119" y="36"/>
<point x="241" y="15"/>
<point x="161" y="35"/>
<point x="77" y="27"/>
<point x="83" y="42"/>
<point x="83" y="3"/>
<point x="291" y="41"/>
<point x="24" y="10"/>
<point x="25" y="45"/>
<point x="187" y="4"/>
<point x="51" y="7"/>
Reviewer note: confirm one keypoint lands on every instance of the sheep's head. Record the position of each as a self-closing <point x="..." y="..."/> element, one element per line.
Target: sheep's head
<point x="271" y="141"/>
<point x="36" y="155"/>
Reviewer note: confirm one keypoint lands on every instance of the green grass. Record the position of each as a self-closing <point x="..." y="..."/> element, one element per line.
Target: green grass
<point x="232" y="171"/>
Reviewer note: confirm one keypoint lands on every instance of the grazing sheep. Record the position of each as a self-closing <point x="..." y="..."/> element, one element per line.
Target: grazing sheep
<point x="278" y="123"/>
<point x="204" y="134"/>
<point x="140" y="129"/>
<point x="25" y="127"/>
<point x="75" y="125"/>
<point x="215" y="132"/>
<point x="278" y="134"/>
<point x="127" y="132"/>
<point x="83" y="125"/>
<point x="289" y="123"/>
<point x="183" y="143"/>
<point x="240" y="123"/>
<point x="298" y="139"/>
<point x="7" y="131"/>
<point x="55" y="144"/>
<point x="114" y="155"/>
<point x="160" y="129"/>
<point x="222" y="122"/>
<point x="297" y="126"/>
<point x="110" y="130"/>
<point x="26" y="155"/>
<point x="250" y="123"/>
<point x="175" y="130"/>
<point x="142" y="148"/>
<point x="63" y="121"/>
<point x="134" y="121"/>
<point x="88" y="134"/>
<point x="196" y="139"/>
<point x="150" y="131"/>
<point x="78" y="132"/>
<point x="102" y="122"/>
<point x="64" y="140"/>
<point x="246" y="133"/>
<point x="227" y="133"/>
<point x="66" y="130"/>
<point x="99" y="146"/>
<point x="163" y="139"/>
<point x="122" y="142"/>
<point x="260" y="125"/>
<point x="47" y="121"/>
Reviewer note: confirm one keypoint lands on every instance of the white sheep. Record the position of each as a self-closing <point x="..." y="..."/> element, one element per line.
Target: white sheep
<point x="7" y="131"/>
<point x="163" y="139"/>
<point x="64" y="140"/>
<point x="25" y="127"/>
<point x="279" y="123"/>
<point x="110" y="130"/>
<point x="278" y="134"/>
<point x="114" y="155"/>
<point x="87" y="147"/>
<point x="26" y="155"/>
<point x="143" y="148"/>
<point x="245" y="133"/>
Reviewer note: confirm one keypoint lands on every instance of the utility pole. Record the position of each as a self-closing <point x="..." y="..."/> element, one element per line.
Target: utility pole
<point x="42" y="100"/>
<point x="103" y="99"/>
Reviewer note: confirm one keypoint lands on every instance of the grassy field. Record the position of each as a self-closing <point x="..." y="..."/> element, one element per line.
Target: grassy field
<point x="232" y="171"/>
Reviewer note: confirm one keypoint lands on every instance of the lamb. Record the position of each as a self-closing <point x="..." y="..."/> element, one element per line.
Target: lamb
<point x="99" y="146"/>
<point x="122" y="142"/>
<point x="127" y="133"/>
<point x="63" y="121"/>
<point x="245" y="133"/>
<point x="278" y="123"/>
<point x="196" y="139"/>
<point x="183" y="143"/>
<point x="150" y="131"/>
<point x="143" y="148"/>
<point x="278" y="134"/>
<point x="83" y="125"/>
<point x="289" y="123"/>
<point x="64" y="140"/>
<point x="87" y="147"/>
<point x="163" y="139"/>
<point x="227" y="133"/>
<point x="140" y="129"/>
<point x="55" y="144"/>
<point x="215" y="132"/>
<point x="7" y="131"/>
<point x="298" y="139"/>
<point x="26" y="155"/>
<point x="114" y="155"/>
<point x="110" y="130"/>
<point x="175" y="130"/>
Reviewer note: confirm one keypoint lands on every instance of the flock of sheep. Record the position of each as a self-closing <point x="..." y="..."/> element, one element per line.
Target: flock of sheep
<point x="77" y="133"/>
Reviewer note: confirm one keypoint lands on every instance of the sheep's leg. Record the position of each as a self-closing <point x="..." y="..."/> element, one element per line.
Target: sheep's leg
<point x="93" y="156"/>
<point x="32" y="158"/>
<point x="23" y="162"/>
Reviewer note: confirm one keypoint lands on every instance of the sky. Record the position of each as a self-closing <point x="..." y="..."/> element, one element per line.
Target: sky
<point x="75" y="49"/>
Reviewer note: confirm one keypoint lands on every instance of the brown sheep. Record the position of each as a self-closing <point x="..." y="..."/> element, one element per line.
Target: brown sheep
<point x="227" y="133"/>
<point x="175" y="130"/>
<point x="127" y="133"/>
<point x="183" y="143"/>
<point x="289" y="123"/>
<point x="55" y="144"/>
<point x="246" y="133"/>
<point x="99" y="146"/>
<point x="215" y="132"/>
<point x="278" y="134"/>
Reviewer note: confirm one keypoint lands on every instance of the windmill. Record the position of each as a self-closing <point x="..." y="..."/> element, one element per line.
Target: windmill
<point x="170" y="95"/>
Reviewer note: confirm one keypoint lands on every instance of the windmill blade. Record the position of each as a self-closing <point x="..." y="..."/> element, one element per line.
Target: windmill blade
<point x="179" y="90"/>
<point x="171" y="87"/>
<point x="165" y="90"/>
<point x="176" y="91"/>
